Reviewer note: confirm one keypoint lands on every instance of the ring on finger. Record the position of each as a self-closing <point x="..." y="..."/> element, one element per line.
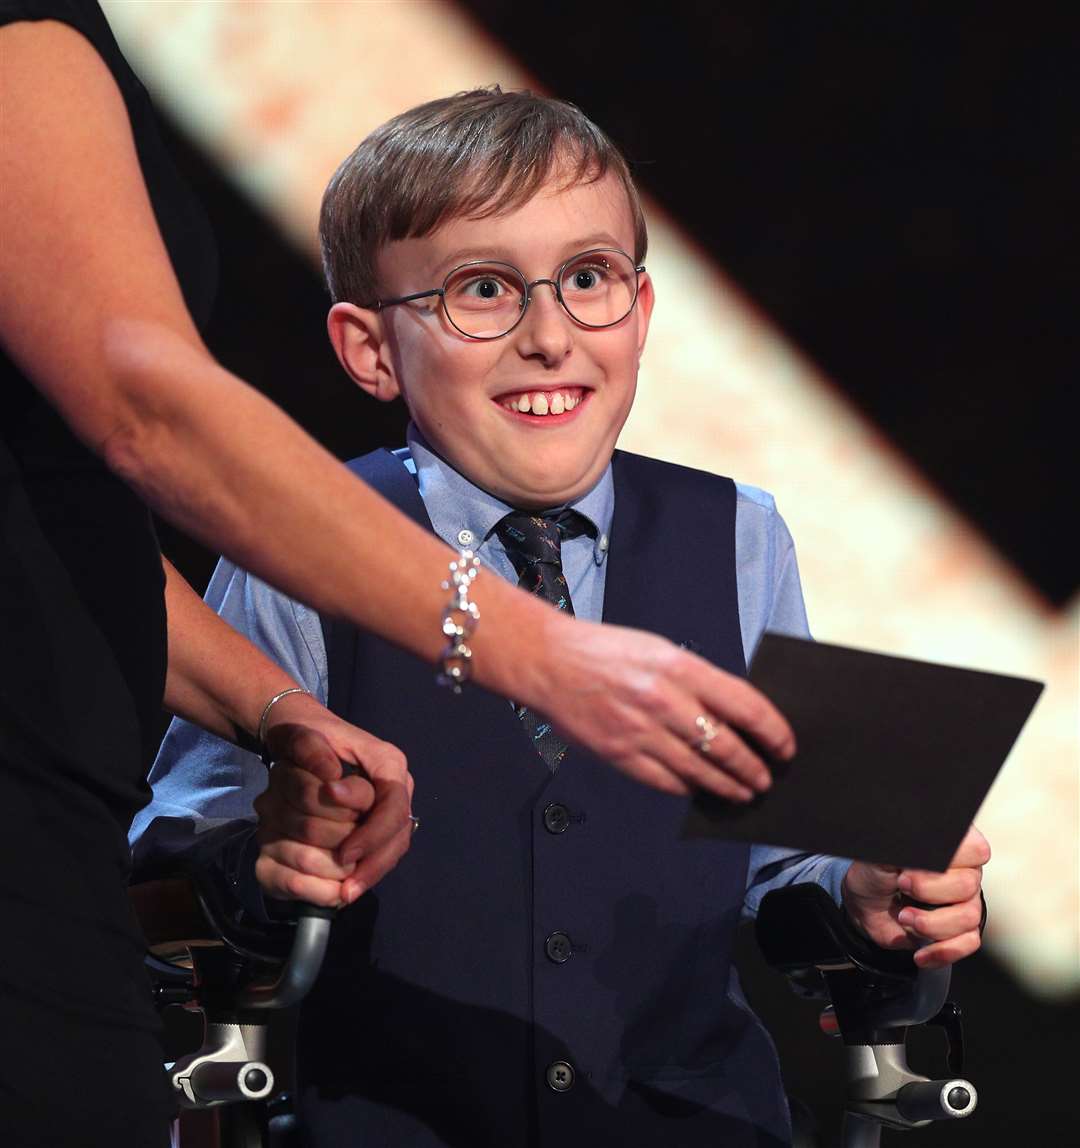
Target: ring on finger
<point x="707" y="730"/>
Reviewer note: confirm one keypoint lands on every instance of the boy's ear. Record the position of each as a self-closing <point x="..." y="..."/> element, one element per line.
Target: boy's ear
<point x="359" y="341"/>
<point x="645" y="300"/>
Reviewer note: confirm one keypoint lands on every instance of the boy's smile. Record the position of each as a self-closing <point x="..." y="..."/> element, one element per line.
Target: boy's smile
<point x="532" y="416"/>
<point x="549" y="405"/>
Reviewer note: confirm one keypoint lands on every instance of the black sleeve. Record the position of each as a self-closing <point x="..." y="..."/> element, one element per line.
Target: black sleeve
<point x="84" y="15"/>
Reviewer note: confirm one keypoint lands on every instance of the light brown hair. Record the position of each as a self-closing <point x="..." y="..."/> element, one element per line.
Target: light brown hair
<point x="471" y="155"/>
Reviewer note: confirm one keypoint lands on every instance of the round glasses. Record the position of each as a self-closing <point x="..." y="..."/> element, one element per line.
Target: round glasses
<point x="486" y="299"/>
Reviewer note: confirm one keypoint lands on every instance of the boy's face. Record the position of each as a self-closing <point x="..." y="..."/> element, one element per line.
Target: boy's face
<point x="460" y="391"/>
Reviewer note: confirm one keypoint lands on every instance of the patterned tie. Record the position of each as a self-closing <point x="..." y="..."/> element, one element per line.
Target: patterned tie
<point x="533" y="544"/>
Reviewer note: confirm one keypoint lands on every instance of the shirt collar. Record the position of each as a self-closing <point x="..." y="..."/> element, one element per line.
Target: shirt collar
<point x="464" y="516"/>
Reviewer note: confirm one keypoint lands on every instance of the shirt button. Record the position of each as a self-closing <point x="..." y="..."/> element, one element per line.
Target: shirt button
<point x="556" y="818"/>
<point x="466" y="538"/>
<point x="559" y="1076"/>
<point x="558" y="948"/>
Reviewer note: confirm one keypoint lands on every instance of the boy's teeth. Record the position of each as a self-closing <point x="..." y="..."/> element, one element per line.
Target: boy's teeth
<point x="540" y="403"/>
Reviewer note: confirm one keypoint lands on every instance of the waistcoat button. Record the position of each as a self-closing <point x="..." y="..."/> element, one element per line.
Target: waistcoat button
<point x="559" y="1076"/>
<point x="558" y="948"/>
<point x="556" y="818"/>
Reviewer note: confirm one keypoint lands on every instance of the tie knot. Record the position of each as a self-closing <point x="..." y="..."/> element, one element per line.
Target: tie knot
<point x="532" y="538"/>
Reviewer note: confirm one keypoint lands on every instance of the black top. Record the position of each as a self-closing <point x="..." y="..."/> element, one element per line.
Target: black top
<point x="82" y="642"/>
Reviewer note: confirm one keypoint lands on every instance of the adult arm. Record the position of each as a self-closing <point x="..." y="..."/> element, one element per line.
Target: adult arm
<point x="202" y="812"/>
<point x="91" y="311"/>
<point x="218" y="679"/>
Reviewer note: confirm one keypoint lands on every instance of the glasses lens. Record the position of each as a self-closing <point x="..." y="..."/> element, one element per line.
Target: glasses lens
<point x="599" y="287"/>
<point x="484" y="299"/>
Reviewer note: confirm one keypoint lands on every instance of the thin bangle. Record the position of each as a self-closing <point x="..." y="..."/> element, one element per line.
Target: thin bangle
<point x="270" y="705"/>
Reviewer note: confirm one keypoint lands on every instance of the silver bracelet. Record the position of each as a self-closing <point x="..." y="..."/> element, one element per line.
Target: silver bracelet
<point x="458" y="622"/>
<point x="270" y="705"/>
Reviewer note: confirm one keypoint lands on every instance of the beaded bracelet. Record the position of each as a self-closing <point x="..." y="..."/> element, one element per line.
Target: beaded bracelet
<point x="459" y="621"/>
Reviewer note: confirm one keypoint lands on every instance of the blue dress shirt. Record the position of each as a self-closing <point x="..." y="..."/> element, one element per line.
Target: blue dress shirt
<point x="203" y="784"/>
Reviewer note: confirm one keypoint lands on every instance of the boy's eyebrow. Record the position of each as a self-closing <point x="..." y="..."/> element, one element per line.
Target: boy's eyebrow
<point x="501" y="254"/>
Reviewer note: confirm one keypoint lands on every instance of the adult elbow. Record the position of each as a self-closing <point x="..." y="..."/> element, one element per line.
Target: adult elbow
<point x="145" y="364"/>
<point x="127" y="452"/>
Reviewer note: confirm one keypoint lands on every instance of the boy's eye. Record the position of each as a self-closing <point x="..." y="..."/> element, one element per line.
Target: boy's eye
<point x="480" y="286"/>
<point x="484" y="288"/>
<point x="585" y="277"/>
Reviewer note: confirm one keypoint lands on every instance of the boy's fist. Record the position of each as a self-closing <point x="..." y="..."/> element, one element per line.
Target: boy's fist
<point x="943" y="934"/>
<point x="328" y="833"/>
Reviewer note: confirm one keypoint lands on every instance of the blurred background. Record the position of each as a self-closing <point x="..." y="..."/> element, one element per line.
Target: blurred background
<point x="863" y="238"/>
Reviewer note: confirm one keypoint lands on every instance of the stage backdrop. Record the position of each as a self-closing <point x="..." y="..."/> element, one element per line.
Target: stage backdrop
<point x="275" y="94"/>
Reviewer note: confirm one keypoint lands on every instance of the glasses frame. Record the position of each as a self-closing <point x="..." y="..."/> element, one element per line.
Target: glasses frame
<point x="553" y="282"/>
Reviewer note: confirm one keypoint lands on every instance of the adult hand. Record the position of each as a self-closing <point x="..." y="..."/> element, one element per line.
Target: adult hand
<point x="634" y="699"/>
<point x="327" y="836"/>
<point x="943" y="935"/>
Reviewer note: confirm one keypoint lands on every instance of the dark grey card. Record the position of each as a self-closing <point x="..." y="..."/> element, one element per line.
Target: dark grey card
<point x="894" y="756"/>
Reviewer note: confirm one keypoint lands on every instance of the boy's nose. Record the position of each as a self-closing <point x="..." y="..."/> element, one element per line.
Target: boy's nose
<point x="546" y="331"/>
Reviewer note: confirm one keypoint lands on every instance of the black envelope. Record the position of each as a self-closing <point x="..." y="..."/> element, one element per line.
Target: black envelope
<point x="894" y="756"/>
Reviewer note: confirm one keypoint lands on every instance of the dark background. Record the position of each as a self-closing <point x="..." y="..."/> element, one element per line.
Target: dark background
<point x="894" y="185"/>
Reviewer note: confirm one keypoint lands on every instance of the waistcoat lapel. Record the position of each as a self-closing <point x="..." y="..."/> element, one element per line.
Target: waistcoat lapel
<point x="671" y="558"/>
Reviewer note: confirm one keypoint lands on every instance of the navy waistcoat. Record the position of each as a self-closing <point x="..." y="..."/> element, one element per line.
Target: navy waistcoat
<point x="544" y="930"/>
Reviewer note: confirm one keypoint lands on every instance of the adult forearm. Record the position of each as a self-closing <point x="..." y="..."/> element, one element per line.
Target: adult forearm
<point x="221" y="462"/>
<point x="91" y="311"/>
<point x="216" y="677"/>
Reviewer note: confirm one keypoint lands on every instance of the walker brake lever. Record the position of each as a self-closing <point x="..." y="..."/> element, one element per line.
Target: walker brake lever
<point x="949" y="1020"/>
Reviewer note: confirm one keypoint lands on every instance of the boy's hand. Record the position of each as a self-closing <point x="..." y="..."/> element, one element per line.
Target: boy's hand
<point x="635" y="699"/>
<point x="943" y="935"/>
<point x="326" y="837"/>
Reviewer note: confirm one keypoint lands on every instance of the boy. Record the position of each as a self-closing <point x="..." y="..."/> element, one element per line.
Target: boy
<point x="551" y="964"/>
